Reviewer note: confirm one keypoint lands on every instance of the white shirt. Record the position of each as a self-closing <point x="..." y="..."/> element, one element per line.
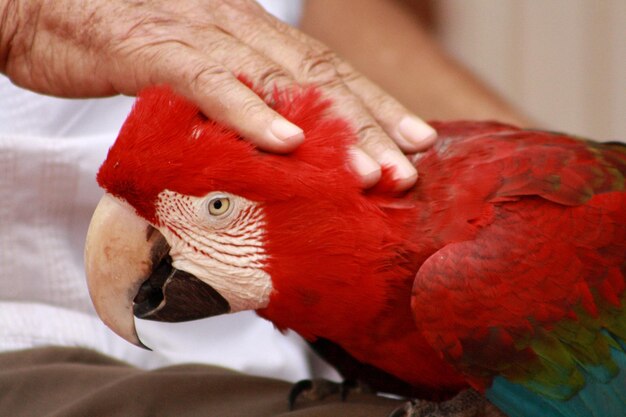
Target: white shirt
<point x="50" y="150"/>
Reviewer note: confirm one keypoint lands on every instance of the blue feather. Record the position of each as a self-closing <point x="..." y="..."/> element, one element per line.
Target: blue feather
<point x="595" y="399"/>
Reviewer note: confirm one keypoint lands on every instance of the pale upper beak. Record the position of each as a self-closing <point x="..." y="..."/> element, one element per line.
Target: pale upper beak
<point x="119" y="256"/>
<point x="129" y="273"/>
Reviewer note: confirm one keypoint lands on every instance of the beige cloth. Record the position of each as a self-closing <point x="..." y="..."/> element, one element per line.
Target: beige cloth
<point x="75" y="382"/>
<point x="50" y="149"/>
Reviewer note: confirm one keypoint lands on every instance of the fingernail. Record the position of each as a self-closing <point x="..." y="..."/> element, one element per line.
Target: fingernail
<point x="285" y="131"/>
<point x="403" y="171"/>
<point x="416" y="132"/>
<point x="365" y="166"/>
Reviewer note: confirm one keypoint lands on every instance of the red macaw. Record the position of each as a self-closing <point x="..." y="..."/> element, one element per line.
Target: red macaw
<point x="503" y="269"/>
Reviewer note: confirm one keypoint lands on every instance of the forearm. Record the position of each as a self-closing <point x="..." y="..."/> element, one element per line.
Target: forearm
<point x="387" y="43"/>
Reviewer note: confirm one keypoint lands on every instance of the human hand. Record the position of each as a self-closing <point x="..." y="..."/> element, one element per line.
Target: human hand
<point x="73" y="48"/>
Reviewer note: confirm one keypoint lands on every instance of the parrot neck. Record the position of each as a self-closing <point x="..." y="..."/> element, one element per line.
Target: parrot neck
<point x="348" y="279"/>
<point x="337" y="274"/>
<point x="344" y="272"/>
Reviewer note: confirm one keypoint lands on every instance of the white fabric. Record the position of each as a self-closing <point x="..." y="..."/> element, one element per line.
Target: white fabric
<point x="50" y="150"/>
<point x="288" y="11"/>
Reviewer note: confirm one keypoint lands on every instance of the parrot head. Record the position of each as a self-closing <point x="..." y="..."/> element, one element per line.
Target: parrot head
<point x="197" y="222"/>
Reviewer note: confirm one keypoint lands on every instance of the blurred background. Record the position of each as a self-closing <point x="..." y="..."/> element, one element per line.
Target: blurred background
<point x="563" y="62"/>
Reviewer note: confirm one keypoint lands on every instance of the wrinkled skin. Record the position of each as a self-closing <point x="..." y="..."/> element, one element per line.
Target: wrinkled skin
<point x="75" y="49"/>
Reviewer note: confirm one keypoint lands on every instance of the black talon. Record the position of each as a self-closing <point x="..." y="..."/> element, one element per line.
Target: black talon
<point x="346" y="386"/>
<point x="404" y="410"/>
<point x="317" y="389"/>
<point x="354" y="385"/>
<point x="297" y="389"/>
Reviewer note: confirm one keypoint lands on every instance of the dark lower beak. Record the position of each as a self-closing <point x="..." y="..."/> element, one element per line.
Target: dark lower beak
<point x="129" y="272"/>
<point x="173" y="295"/>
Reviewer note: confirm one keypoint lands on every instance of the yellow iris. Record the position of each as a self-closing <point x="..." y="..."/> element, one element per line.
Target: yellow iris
<point x="219" y="206"/>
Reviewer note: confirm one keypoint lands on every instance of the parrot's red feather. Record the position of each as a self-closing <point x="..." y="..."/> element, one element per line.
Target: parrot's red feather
<point x="516" y="238"/>
<point x="549" y="254"/>
<point x="322" y="230"/>
<point x="166" y="143"/>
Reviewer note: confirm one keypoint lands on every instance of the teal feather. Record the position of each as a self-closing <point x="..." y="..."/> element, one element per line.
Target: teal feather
<point x="598" y="398"/>
<point x="517" y="401"/>
<point x="598" y="372"/>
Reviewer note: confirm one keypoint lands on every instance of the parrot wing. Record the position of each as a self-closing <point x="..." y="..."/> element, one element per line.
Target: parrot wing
<point x="531" y="309"/>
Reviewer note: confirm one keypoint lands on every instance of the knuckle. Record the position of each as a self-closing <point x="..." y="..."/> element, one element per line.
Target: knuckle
<point x="369" y="133"/>
<point x="372" y="138"/>
<point x="253" y="107"/>
<point x="145" y="38"/>
<point x="273" y="76"/>
<point x="386" y="107"/>
<point x="157" y="50"/>
<point x="143" y="27"/>
<point x="220" y="43"/>
<point x="346" y="72"/>
<point x="319" y="67"/>
<point x="213" y="75"/>
<point x="349" y="77"/>
<point x="388" y="111"/>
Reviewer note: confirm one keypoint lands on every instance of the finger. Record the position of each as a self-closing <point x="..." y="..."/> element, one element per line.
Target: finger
<point x="408" y="131"/>
<point x="240" y="59"/>
<point x="372" y="139"/>
<point x="262" y="71"/>
<point x="312" y="63"/>
<point x="365" y="166"/>
<point x="222" y="97"/>
<point x="386" y="154"/>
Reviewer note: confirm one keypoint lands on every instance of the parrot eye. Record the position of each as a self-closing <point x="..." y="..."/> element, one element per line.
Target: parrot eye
<point x="219" y="206"/>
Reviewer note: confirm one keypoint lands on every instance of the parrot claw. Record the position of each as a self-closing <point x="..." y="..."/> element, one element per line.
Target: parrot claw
<point x="312" y="389"/>
<point x="468" y="403"/>
<point x="353" y="385"/>
<point x="318" y="389"/>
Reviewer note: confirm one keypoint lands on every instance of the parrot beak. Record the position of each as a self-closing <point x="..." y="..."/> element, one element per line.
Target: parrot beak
<point x="129" y="272"/>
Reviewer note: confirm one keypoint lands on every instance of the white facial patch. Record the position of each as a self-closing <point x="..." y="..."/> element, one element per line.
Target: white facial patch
<point x="224" y="250"/>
